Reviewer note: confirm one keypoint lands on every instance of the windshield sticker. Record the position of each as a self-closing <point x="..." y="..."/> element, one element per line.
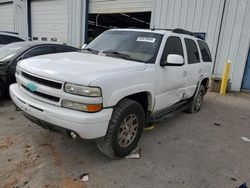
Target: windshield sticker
<point x="146" y="39"/>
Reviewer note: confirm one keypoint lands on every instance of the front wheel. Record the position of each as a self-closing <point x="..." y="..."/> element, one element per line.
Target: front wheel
<point x="125" y="129"/>
<point x="196" y="102"/>
<point x="2" y="91"/>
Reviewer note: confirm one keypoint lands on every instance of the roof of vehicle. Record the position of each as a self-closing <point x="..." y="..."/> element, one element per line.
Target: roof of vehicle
<point x="142" y="30"/>
<point x="13" y="34"/>
<point x="162" y="31"/>
<point x="36" y="43"/>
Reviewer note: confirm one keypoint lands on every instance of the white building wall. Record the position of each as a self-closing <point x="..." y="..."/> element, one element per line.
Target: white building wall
<point x="76" y="19"/>
<point x="21" y="17"/>
<point x="206" y="16"/>
<point x="119" y="6"/>
<point x="194" y="15"/>
<point x="234" y="41"/>
<point x="6" y="16"/>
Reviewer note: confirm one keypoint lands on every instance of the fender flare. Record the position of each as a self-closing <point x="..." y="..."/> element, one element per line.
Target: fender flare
<point x="198" y="86"/>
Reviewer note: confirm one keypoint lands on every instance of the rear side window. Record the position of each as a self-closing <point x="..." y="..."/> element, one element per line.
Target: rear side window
<point x="42" y="50"/>
<point x="173" y="46"/>
<point x="5" y="39"/>
<point x="61" y="49"/>
<point x="192" y="51"/>
<point x="205" y="52"/>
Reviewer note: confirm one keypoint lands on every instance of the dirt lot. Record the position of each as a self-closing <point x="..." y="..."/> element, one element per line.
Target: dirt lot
<point x="199" y="150"/>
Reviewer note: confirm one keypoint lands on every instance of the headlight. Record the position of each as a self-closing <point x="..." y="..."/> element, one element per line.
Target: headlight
<point x="81" y="106"/>
<point x="83" y="90"/>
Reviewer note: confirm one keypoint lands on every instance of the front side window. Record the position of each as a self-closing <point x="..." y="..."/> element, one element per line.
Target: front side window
<point x="205" y="52"/>
<point x="192" y="51"/>
<point x="131" y="45"/>
<point x="173" y="46"/>
<point x="39" y="51"/>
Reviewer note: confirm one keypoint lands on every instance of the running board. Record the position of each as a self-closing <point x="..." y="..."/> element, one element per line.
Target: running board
<point x="168" y="112"/>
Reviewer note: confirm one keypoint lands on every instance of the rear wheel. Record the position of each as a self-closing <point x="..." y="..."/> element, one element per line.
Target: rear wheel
<point x="196" y="102"/>
<point x="124" y="131"/>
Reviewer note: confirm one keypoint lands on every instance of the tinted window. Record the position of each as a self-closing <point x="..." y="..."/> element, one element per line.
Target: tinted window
<point x="138" y="46"/>
<point x="173" y="46"/>
<point x="61" y="49"/>
<point x="11" y="51"/>
<point x="4" y="39"/>
<point x="39" y="51"/>
<point x="192" y="51"/>
<point x="206" y="56"/>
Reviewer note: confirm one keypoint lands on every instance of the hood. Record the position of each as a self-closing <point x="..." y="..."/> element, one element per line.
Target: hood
<point x="76" y="67"/>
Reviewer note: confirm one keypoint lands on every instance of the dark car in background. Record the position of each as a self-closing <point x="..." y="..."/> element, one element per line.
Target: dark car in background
<point x="7" y="37"/>
<point x="12" y="53"/>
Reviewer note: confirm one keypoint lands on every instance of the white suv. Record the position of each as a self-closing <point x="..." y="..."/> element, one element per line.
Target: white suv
<point x="109" y="91"/>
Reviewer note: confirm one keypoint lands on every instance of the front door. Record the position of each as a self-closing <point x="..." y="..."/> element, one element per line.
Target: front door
<point x="170" y="80"/>
<point x="246" y="78"/>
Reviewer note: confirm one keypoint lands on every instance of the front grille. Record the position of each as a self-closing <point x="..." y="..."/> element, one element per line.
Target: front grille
<point x="43" y="95"/>
<point x="42" y="81"/>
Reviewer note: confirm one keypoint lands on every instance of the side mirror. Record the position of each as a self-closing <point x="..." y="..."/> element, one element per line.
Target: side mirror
<point x="83" y="46"/>
<point x="173" y="60"/>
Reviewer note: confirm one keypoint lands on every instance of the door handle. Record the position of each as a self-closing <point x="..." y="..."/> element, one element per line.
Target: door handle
<point x="185" y="73"/>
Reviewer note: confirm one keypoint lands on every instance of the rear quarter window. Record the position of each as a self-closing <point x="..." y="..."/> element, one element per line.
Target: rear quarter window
<point x="192" y="51"/>
<point x="5" y="39"/>
<point x="205" y="52"/>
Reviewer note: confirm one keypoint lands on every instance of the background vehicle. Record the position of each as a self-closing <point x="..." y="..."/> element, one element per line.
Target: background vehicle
<point x="121" y="80"/>
<point x="12" y="53"/>
<point x="7" y="37"/>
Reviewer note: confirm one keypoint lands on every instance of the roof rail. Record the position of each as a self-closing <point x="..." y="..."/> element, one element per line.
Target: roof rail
<point x="180" y="31"/>
<point x="10" y="32"/>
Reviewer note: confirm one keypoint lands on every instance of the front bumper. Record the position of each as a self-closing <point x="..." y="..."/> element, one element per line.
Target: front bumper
<point x="86" y="125"/>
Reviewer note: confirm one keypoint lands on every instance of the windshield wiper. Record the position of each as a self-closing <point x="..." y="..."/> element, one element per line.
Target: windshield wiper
<point x="91" y="50"/>
<point x="121" y="55"/>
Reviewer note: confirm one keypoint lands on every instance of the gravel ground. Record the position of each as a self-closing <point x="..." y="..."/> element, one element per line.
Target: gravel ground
<point x="199" y="150"/>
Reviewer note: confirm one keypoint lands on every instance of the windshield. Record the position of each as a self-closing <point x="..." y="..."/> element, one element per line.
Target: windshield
<point x="10" y="51"/>
<point x="131" y="45"/>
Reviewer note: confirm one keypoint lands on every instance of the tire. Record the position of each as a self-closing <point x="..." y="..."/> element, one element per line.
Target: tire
<point x="127" y="122"/>
<point x="196" y="102"/>
<point x="2" y="91"/>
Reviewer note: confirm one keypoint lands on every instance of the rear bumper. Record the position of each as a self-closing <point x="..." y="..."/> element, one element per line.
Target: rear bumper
<point x="86" y="125"/>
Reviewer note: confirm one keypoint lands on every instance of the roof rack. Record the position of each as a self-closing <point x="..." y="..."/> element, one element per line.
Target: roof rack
<point x="181" y="31"/>
<point x="10" y="32"/>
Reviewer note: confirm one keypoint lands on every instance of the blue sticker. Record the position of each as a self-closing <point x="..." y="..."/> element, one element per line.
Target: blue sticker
<point x="31" y="86"/>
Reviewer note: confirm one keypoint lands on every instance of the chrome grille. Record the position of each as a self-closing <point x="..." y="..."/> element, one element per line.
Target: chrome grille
<point x="42" y="81"/>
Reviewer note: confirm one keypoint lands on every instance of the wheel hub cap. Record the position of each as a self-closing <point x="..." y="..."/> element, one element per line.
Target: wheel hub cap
<point x="128" y="130"/>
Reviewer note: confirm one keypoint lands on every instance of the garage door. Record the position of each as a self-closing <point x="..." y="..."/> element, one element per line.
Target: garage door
<point x="119" y="6"/>
<point x="49" y="20"/>
<point x="6" y="17"/>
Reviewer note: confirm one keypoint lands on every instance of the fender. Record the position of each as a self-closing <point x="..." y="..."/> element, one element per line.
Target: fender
<point x="130" y="90"/>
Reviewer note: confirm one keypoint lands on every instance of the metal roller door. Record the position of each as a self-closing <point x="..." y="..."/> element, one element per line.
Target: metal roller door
<point x="119" y="6"/>
<point x="6" y="17"/>
<point x="49" y="20"/>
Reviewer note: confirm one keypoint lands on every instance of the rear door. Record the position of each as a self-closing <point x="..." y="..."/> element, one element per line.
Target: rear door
<point x="193" y="69"/>
<point x="207" y="64"/>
